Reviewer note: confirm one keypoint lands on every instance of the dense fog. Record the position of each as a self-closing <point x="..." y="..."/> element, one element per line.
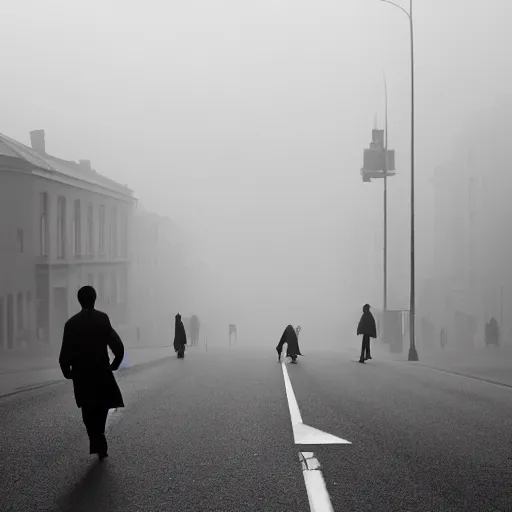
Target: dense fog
<point x="245" y="124"/>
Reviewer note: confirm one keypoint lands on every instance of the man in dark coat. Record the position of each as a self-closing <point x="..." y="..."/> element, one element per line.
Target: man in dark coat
<point x="180" y="337"/>
<point x="292" y="344"/>
<point x="84" y="358"/>
<point x="368" y="329"/>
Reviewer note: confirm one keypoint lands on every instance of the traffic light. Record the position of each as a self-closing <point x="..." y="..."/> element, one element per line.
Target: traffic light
<point x="373" y="160"/>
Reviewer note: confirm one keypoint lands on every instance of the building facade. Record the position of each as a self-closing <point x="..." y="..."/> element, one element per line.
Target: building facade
<point x="472" y="281"/>
<point x="166" y="278"/>
<point x="63" y="226"/>
<point x="157" y="291"/>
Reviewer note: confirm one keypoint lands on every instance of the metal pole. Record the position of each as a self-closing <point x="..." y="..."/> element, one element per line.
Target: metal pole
<point x="501" y="310"/>
<point x="385" y="302"/>
<point x="413" y="354"/>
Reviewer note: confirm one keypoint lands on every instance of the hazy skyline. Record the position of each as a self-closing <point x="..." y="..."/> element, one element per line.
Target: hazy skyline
<point x="245" y="122"/>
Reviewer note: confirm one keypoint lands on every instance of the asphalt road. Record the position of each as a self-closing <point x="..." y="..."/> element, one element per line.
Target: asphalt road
<point x="213" y="433"/>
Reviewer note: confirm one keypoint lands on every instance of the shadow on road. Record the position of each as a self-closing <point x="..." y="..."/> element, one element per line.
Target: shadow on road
<point x="94" y="492"/>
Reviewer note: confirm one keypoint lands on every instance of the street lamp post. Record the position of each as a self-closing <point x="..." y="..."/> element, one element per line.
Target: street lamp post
<point x="413" y="353"/>
<point x="385" y="301"/>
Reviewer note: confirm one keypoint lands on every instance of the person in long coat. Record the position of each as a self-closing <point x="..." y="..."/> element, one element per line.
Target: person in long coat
<point x="494" y="332"/>
<point x="84" y="358"/>
<point x="368" y="329"/>
<point x="292" y="344"/>
<point x="180" y="337"/>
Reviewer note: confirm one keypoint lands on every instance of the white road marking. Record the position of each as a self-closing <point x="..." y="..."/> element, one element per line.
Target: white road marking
<point x="292" y="401"/>
<point x="304" y="434"/>
<point x="318" y="496"/>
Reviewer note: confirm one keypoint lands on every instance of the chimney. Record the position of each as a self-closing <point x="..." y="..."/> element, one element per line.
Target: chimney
<point x="37" y="141"/>
<point x="85" y="165"/>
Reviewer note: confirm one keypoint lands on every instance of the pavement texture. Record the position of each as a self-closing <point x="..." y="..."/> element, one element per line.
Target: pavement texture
<point x="487" y="363"/>
<point x="19" y="372"/>
<point x="212" y="432"/>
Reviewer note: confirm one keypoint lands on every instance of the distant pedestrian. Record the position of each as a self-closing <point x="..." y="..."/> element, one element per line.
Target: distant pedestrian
<point x="289" y="337"/>
<point x="84" y="358"/>
<point x="368" y="329"/>
<point x="180" y="337"/>
<point x="443" y="338"/>
<point x="494" y="332"/>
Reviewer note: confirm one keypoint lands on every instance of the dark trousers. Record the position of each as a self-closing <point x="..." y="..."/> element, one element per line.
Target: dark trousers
<point x="365" y="348"/>
<point x="95" y="420"/>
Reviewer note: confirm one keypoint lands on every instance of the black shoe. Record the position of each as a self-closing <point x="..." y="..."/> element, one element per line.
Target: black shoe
<point x="102" y="455"/>
<point x="361" y="360"/>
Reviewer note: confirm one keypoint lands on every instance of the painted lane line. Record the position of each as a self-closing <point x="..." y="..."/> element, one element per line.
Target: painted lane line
<point x="304" y="434"/>
<point x="319" y="500"/>
<point x="292" y="401"/>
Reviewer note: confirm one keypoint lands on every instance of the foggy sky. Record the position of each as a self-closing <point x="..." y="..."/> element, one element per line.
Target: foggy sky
<point x="245" y="123"/>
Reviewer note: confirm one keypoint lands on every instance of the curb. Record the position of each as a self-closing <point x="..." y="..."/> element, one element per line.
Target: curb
<point x="121" y="372"/>
<point x="462" y="374"/>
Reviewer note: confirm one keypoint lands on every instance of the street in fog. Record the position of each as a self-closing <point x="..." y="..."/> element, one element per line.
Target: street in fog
<point x="213" y="432"/>
<point x="289" y="223"/>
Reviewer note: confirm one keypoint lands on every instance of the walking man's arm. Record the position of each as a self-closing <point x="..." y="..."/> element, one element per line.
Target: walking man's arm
<point x="117" y="347"/>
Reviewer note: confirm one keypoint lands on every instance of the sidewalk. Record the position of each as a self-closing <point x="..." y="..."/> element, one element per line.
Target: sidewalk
<point x="23" y="371"/>
<point x="492" y="364"/>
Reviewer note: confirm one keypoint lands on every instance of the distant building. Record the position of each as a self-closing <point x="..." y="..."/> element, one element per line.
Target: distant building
<point x="471" y="279"/>
<point x="156" y="292"/>
<point x="62" y="226"/>
<point x="165" y="279"/>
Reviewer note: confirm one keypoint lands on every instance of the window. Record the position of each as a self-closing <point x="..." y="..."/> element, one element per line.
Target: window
<point x="19" y="307"/>
<point x="113" y="288"/>
<point x="43" y="224"/>
<point x="20" y="240"/>
<point x="101" y="286"/>
<point x="124" y="235"/>
<point x="77" y="229"/>
<point x="29" y="310"/>
<point x="123" y="288"/>
<point x="10" y="321"/>
<point x="90" y="230"/>
<point x="61" y="227"/>
<point x="113" y="234"/>
<point x="102" y="231"/>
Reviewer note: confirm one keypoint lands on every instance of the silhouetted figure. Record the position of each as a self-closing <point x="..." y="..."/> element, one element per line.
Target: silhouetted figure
<point x="194" y="330"/>
<point x="494" y="332"/>
<point x="232" y="332"/>
<point x="292" y="344"/>
<point x="84" y="358"/>
<point x="368" y="329"/>
<point x="443" y="338"/>
<point x="180" y="337"/>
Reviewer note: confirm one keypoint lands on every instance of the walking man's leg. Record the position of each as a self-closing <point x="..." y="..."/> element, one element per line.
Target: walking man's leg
<point x="101" y="419"/>
<point x="95" y="420"/>
<point x="368" y="356"/>
<point x="88" y="417"/>
<point x="363" y="349"/>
